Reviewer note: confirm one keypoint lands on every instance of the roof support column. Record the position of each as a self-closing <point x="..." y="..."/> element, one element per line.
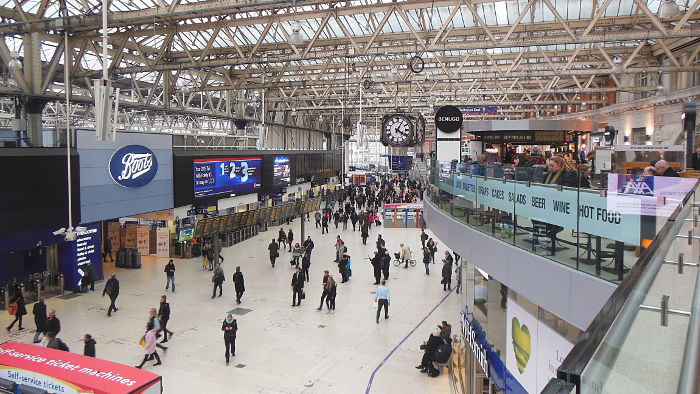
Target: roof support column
<point x="32" y="72"/>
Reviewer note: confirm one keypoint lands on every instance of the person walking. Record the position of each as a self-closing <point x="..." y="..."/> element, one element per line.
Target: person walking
<point x="305" y="264"/>
<point x="89" y="349"/>
<point x="170" y="274"/>
<point x="383" y="300"/>
<point x="281" y="238"/>
<point x="432" y="248"/>
<point x="309" y="245"/>
<point x="39" y="312"/>
<point x="458" y="273"/>
<point x="149" y="345"/>
<point x="423" y="237"/>
<point x="164" y="316"/>
<point x="317" y="216"/>
<point x="345" y="219"/>
<point x="53" y="324"/>
<point x="274" y="251"/>
<point x="332" y="290"/>
<point x="377" y="266"/>
<point x="112" y="290"/>
<point x="364" y="233"/>
<point x="380" y="242"/>
<point x="229" y="327"/>
<point x="343" y="268"/>
<point x="20" y="310"/>
<point x="218" y="280"/>
<point x="324" y="224"/>
<point x="405" y="254"/>
<point x="238" y="284"/>
<point x="447" y="272"/>
<point x="426" y="260"/>
<point x="325" y="290"/>
<point x="53" y="342"/>
<point x="108" y="250"/>
<point x="297" y="287"/>
<point x="153" y="318"/>
<point x="290" y="239"/>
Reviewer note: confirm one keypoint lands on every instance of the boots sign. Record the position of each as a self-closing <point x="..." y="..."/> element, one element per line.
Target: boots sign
<point x="133" y="166"/>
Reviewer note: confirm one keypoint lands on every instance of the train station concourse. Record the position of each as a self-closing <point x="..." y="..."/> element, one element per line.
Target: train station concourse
<point x="361" y="196"/>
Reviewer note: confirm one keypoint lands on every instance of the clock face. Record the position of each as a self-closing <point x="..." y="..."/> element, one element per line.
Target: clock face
<point x="397" y="129"/>
<point x="416" y="64"/>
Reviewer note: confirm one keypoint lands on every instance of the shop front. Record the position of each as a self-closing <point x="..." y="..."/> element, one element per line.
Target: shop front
<point x="507" y="344"/>
<point x="126" y="191"/>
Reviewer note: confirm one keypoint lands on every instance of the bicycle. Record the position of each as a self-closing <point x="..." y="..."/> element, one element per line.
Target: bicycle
<point x="398" y="261"/>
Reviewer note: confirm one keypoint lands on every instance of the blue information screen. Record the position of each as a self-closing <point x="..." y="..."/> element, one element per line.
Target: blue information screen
<point x="218" y="176"/>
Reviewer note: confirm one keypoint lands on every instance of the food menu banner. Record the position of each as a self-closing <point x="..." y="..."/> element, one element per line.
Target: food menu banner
<point x="131" y="234"/>
<point x="113" y="235"/>
<point x="163" y="242"/>
<point x="142" y="240"/>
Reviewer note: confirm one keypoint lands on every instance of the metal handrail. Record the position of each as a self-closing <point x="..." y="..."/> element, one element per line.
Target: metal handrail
<point x="633" y="289"/>
<point x="689" y="380"/>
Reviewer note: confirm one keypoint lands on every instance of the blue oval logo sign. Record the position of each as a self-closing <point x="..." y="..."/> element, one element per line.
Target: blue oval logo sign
<point x="133" y="166"/>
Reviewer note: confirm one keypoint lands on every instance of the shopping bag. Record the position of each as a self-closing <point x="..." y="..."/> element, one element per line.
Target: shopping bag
<point x="374" y="304"/>
<point x="302" y="296"/>
<point x="142" y="341"/>
<point x="12" y="308"/>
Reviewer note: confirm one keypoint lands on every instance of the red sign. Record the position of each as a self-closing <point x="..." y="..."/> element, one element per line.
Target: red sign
<point x="63" y="372"/>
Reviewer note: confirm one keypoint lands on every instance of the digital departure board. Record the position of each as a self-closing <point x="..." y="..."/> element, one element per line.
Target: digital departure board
<point x="214" y="177"/>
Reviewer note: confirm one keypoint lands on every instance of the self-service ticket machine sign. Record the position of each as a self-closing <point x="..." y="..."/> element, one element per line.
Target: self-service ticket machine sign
<point x="56" y="371"/>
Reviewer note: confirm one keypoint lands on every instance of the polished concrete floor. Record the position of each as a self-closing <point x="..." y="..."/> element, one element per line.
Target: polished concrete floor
<point x="280" y="349"/>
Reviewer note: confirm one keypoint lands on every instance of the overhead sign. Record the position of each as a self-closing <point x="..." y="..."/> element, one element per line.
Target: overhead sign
<point x="647" y="195"/>
<point x="449" y="119"/>
<point x="133" y="166"/>
<point x="227" y="176"/>
<point x="56" y="371"/>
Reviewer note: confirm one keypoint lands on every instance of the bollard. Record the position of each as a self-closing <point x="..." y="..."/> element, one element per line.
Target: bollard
<point x="61" y="281"/>
<point x="38" y="290"/>
<point x="6" y="289"/>
<point x="21" y="290"/>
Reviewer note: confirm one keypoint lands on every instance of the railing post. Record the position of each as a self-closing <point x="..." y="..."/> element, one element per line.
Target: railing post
<point x="61" y="282"/>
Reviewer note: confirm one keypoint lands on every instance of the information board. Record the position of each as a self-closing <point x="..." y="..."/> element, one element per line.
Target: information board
<point x="281" y="171"/>
<point x="251" y="216"/>
<point x="199" y="229"/>
<point x="229" y="176"/>
<point x="208" y="230"/>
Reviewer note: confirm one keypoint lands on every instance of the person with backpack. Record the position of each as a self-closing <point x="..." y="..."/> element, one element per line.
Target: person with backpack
<point x="218" y="280"/>
<point x="112" y="290"/>
<point x="164" y="316"/>
<point x="229" y="327"/>
<point x="153" y="318"/>
<point x="423" y="237"/>
<point x="19" y="309"/>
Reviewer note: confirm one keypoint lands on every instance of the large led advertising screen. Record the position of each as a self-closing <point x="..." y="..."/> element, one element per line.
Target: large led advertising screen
<point x="281" y="173"/>
<point x="213" y="177"/>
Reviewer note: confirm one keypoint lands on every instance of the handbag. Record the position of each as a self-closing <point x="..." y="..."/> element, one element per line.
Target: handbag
<point x="142" y="341"/>
<point x="12" y="308"/>
<point x="213" y="279"/>
<point x="302" y="296"/>
<point x="374" y="304"/>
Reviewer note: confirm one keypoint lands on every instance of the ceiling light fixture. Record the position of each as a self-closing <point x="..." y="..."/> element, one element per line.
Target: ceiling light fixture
<point x="14" y="62"/>
<point x="296" y="39"/>
<point x="668" y="9"/>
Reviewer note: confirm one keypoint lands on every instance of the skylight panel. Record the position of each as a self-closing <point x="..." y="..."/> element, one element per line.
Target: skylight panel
<point x="488" y="14"/>
<point x="613" y="9"/>
<point x="501" y="13"/>
<point x="626" y="7"/>
<point x="574" y="9"/>
<point x="335" y="28"/>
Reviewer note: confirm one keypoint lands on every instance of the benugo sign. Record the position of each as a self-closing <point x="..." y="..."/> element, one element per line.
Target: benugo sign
<point x="585" y="211"/>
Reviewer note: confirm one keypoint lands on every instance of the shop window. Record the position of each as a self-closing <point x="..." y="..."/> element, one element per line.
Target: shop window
<point x="497" y="295"/>
<point x="481" y="295"/>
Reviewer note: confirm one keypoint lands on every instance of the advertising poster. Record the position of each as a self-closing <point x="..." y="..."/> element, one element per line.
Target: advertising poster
<point x="162" y="242"/>
<point x="230" y="176"/>
<point x="113" y="235"/>
<point x="281" y="171"/>
<point x="647" y="195"/>
<point x="142" y="240"/>
<point x="533" y="350"/>
<point x="131" y="230"/>
<point x="56" y="371"/>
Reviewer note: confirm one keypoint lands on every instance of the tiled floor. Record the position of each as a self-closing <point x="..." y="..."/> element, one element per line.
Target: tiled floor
<point x="279" y="349"/>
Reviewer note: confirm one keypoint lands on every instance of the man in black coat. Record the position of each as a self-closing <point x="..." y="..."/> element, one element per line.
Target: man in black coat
<point x="447" y="272"/>
<point x="164" y="316"/>
<point x="309" y="245"/>
<point x="53" y="324"/>
<point x="297" y="286"/>
<point x="377" y="265"/>
<point x="274" y="251"/>
<point x="39" y="312"/>
<point x="112" y="290"/>
<point x="239" y="284"/>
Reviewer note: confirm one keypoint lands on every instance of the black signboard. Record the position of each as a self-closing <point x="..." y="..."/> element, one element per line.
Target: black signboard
<point x="448" y="119"/>
<point x="545" y="137"/>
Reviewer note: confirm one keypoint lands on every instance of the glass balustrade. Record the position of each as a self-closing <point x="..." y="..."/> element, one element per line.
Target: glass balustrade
<point x="601" y="231"/>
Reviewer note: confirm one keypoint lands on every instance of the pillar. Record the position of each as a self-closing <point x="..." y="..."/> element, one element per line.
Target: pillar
<point x="32" y="72"/>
